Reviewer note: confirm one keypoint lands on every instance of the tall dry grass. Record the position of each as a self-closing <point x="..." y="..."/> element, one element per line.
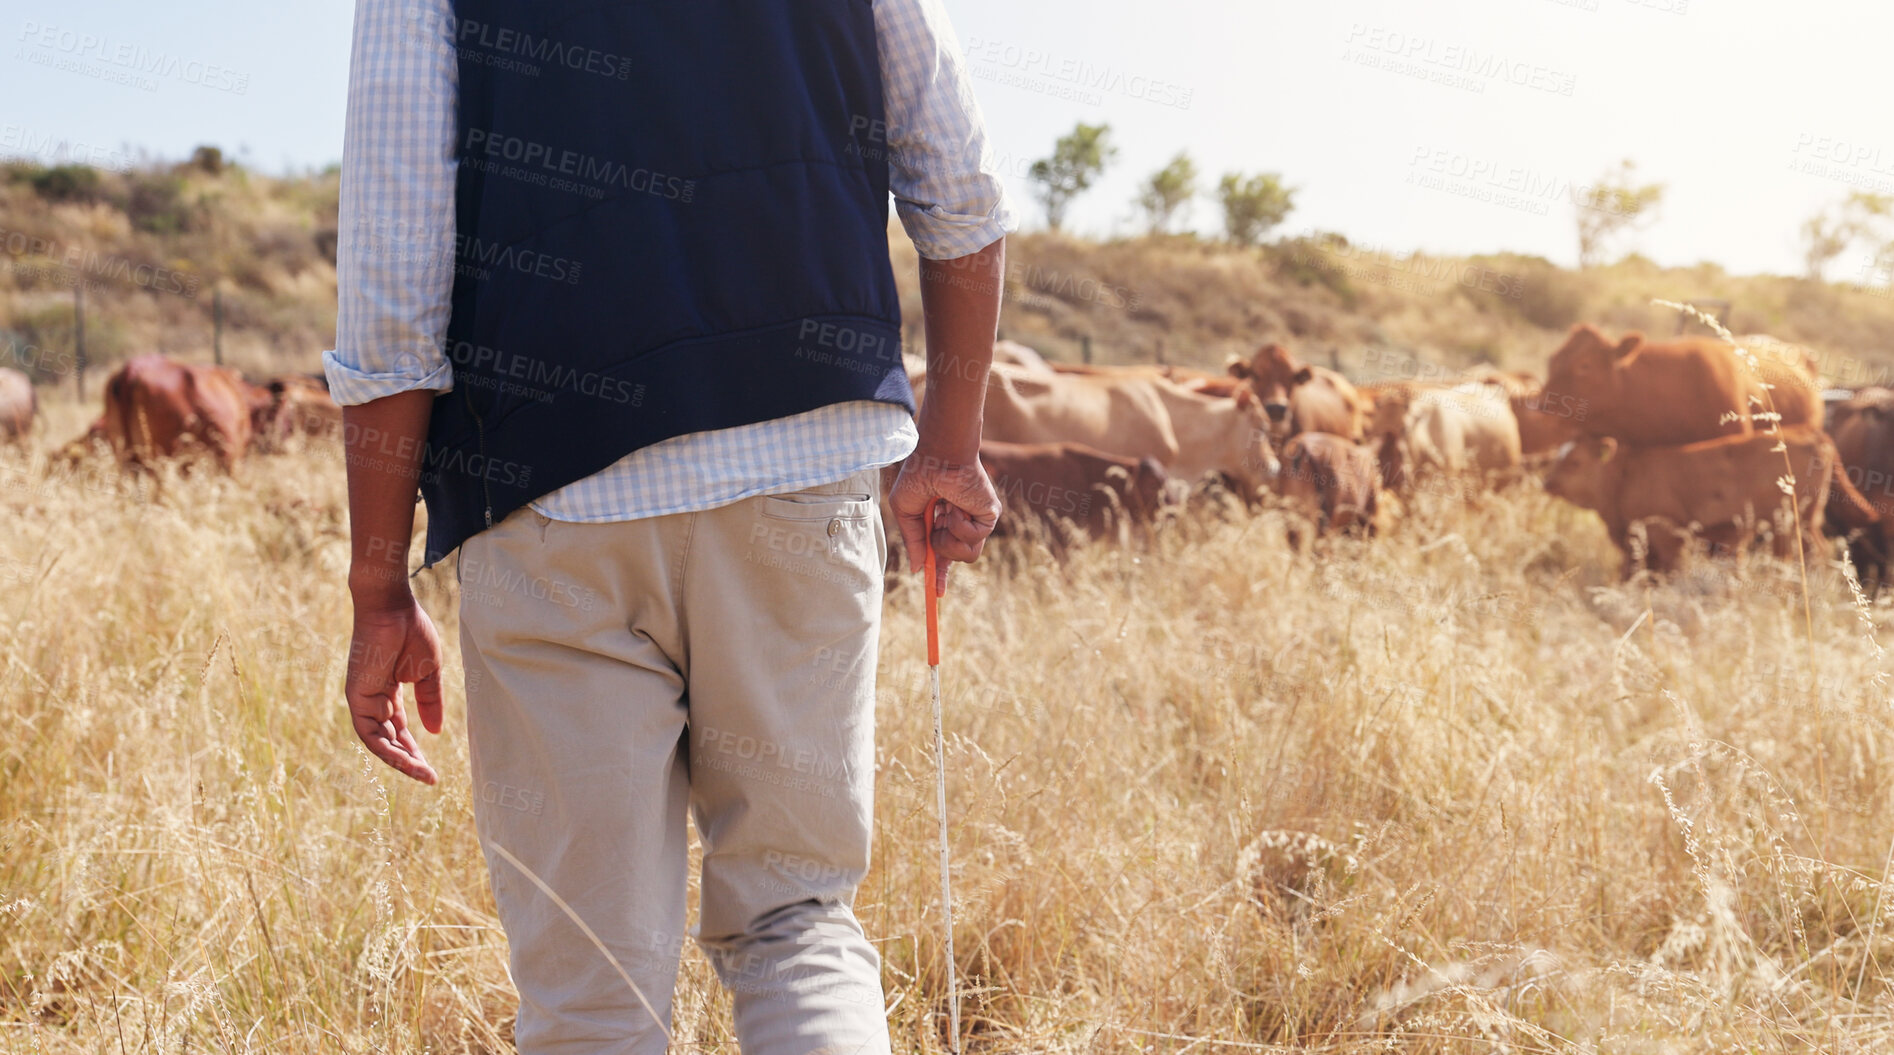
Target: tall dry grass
<point x="1452" y="790"/>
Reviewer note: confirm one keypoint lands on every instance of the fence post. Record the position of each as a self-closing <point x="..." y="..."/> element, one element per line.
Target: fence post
<point x="78" y="336"/>
<point x="1085" y="348"/>
<point x="1160" y="351"/>
<point x="217" y="324"/>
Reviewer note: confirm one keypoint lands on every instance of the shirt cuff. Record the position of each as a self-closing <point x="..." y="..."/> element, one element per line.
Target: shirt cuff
<point x="941" y="235"/>
<point x="350" y="387"/>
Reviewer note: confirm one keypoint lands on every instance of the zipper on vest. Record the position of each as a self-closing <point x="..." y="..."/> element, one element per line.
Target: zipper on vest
<point x="480" y="429"/>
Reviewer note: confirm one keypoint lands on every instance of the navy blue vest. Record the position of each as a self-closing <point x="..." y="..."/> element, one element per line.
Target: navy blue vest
<point x="671" y="217"/>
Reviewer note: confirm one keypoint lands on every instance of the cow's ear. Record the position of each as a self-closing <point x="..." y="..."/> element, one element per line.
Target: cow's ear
<point x="1305" y="375"/>
<point x="1237" y="368"/>
<point x="1629" y="346"/>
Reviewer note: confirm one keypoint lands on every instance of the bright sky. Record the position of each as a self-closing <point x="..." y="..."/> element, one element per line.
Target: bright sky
<point x="1453" y="126"/>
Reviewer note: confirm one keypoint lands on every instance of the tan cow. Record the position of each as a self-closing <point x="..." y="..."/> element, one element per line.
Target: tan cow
<point x="1467" y="430"/>
<point x="1014" y="353"/>
<point x="18" y="404"/>
<point x="1188" y="433"/>
<point x="1546" y="421"/>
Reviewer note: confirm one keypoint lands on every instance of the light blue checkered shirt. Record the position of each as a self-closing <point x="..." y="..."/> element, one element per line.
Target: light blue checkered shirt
<point x="396" y="256"/>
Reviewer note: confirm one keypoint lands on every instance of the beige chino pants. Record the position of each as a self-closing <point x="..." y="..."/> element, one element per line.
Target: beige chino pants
<point x="721" y="662"/>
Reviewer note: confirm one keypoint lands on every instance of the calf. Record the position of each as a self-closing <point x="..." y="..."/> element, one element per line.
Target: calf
<point x="1724" y="490"/>
<point x="1333" y="481"/>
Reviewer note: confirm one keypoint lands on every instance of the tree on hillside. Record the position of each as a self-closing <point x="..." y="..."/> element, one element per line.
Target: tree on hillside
<point x="208" y="159"/>
<point x="1078" y="158"/>
<point x="1615" y="204"/>
<point x="1251" y="207"/>
<point x="1167" y="192"/>
<point x="1829" y="233"/>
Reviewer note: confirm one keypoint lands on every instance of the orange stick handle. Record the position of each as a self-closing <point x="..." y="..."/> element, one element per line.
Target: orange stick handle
<point x="933" y="595"/>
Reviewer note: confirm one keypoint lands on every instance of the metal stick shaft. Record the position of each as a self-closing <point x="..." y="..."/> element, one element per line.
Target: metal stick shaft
<point x="946" y="872"/>
<point x="940" y="776"/>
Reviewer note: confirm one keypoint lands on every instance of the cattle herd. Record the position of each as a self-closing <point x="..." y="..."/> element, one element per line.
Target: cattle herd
<point x="1691" y="440"/>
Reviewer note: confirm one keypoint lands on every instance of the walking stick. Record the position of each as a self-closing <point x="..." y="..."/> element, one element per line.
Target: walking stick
<point x="940" y="781"/>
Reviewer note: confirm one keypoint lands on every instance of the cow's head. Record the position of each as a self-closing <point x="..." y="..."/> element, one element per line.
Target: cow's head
<point x="1584" y="471"/>
<point x="1585" y="366"/>
<point x="1272" y="373"/>
<point x="1387" y="415"/>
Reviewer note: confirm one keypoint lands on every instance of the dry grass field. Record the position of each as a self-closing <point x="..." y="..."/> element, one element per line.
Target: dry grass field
<point x="1453" y="790"/>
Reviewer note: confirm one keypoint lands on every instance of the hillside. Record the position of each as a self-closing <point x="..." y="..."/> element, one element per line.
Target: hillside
<point x="151" y="244"/>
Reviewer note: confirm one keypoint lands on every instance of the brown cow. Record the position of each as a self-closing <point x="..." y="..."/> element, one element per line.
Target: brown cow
<point x="1862" y="427"/>
<point x="1054" y="482"/>
<point x="1302" y="398"/>
<point x="18" y="404"/>
<point x="159" y="408"/>
<point x="1333" y="481"/>
<point x="1723" y="490"/>
<point x="1663" y="393"/>
<point x="1188" y="433"/>
<point x="1803" y="373"/>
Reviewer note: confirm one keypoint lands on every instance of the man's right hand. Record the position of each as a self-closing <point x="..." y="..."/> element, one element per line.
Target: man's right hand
<point x="394" y="642"/>
<point x="960" y="307"/>
<point x="960" y="529"/>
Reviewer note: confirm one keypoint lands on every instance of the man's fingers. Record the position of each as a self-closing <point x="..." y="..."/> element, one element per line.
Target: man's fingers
<point x="913" y="539"/>
<point x="383" y="729"/>
<point x="385" y="740"/>
<point x="957" y="537"/>
<point x="428" y="701"/>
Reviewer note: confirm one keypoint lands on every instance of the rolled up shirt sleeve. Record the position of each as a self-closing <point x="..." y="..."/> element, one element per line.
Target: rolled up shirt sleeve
<point x="947" y="188"/>
<point x="395" y="247"/>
